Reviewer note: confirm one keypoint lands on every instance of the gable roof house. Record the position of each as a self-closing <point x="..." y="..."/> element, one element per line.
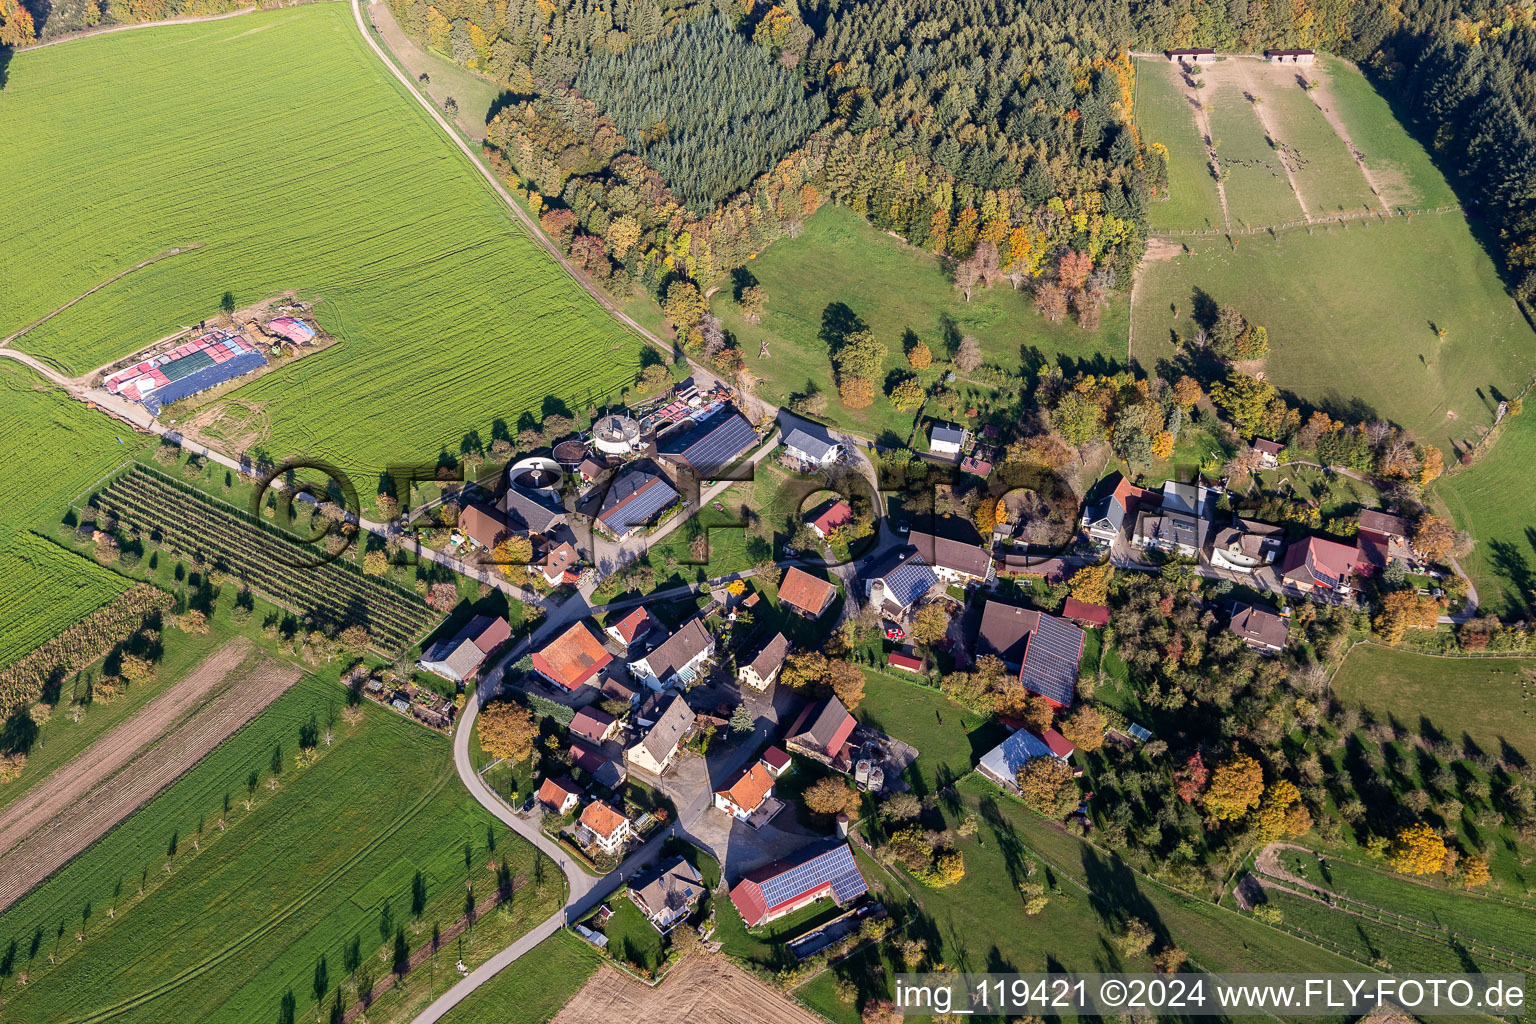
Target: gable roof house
<point x="829" y="517"/>
<point x="460" y="657"/>
<point x="1105" y="519"/>
<point x="632" y="626"/>
<point x="1317" y="565"/>
<point x="604" y="827"/>
<point x="776" y="760"/>
<point x="745" y="791"/>
<point x="557" y="564"/>
<point x="669" y="895"/>
<point x="1381" y="540"/>
<point x="606" y="771"/>
<point x="1246" y="545"/>
<point x="1004" y="631"/>
<point x="1173" y="532"/>
<point x="1001" y="764"/>
<point x="572" y="659"/>
<point x="821" y="732"/>
<point x="709" y="444"/>
<point x="1262" y="630"/>
<point x="896" y="584"/>
<point x="656" y="750"/>
<point x="633" y="500"/>
<point x="947" y="440"/>
<point x="810" y="450"/>
<point x="1052" y="654"/>
<point x="957" y="551"/>
<point x="763" y="668"/>
<point x="1087" y="615"/>
<point x="806" y="594"/>
<point x="530" y="512"/>
<point x="780" y="888"/>
<point x="593" y="724"/>
<point x="485" y="527"/>
<point x="678" y="658"/>
<point x="1268" y="452"/>
<point x="559" y="797"/>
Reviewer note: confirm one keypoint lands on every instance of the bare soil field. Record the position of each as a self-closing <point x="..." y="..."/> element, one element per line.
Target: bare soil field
<point x="128" y="766"/>
<point x="701" y="990"/>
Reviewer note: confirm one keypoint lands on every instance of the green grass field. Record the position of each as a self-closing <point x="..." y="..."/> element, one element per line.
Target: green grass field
<point x="1402" y="168"/>
<point x="1326" y="175"/>
<point x="1483" y="699"/>
<point x="1258" y="192"/>
<point x="281" y="144"/>
<point x="894" y="288"/>
<point x="1164" y="115"/>
<point x="534" y="989"/>
<point x="1492" y="500"/>
<point x="310" y="866"/>
<point x="1351" y="323"/>
<point x="44" y="589"/>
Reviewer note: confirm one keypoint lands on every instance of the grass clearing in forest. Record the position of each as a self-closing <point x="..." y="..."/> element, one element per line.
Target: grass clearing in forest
<point x="1165" y="115"/>
<point x="1329" y="180"/>
<point x="412" y="258"/>
<point x="1485" y="700"/>
<point x="1492" y="500"/>
<point x="1258" y="191"/>
<point x="840" y="266"/>
<point x="1352" y="318"/>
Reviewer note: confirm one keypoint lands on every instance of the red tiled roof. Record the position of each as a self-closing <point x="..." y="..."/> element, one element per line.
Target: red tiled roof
<point x="748" y="787"/>
<point x="802" y="590"/>
<point x="552" y="794"/>
<point x="905" y="661"/>
<point x="1082" y="611"/>
<point x="482" y="526"/>
<point x="573" y="658"/>
<point x="776" y="758"/>
<point x="602" y="819"/>
<point x="493" y="635"/>
<point x="1059" y="744"/>
<point x="633" y="625"/>
<point x="591" y="724"/>
<point x="834" y="515"/>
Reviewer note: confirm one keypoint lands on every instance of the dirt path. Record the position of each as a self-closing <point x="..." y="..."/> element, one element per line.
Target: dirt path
<point x="1281" y="146"/>
<point x="167" y="254"/>
<point x="109" y="29"/>
<point x="1203" y="125"/>
<point x="122" y="771"/>
<point x="1318" y="95"/>
<point x="702" y="989"/>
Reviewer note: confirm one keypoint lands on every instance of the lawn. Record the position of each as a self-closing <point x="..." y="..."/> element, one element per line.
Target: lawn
<point x="1352" y="323"/>
<point x="1481" y="700"/>
<point x="412" y="259"/>
<point x="1258" y="192"/>
<point x="841" y="266"/>
<point x="1492" y="500"/>
<point x="44" y="590"/>
<point x="1164" y="115"/>
<point x="1401" y="166"/>
<point x="243" y="914"/>
<point x="1326" y="174"/>
<point x="534" y="989"/>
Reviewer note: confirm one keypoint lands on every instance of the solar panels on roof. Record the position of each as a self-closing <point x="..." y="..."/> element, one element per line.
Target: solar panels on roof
<point x="1051" y="660"/>
<point x="910" y="581"/>
<point x="836" y="866"/>
<point x="640" y="506"/>
<point x="712" y="443"/>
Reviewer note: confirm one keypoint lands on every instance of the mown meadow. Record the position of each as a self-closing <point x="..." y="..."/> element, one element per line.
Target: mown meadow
<point x="282" y="147"/>
<point x="1492" y="500"/>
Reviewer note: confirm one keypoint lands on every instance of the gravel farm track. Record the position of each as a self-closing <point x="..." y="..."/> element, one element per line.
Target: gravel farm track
<point x="84" y="799"/>
<point x="703" y="989"/>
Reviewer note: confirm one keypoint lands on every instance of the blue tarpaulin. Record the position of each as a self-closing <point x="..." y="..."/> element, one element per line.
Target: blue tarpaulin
<point x="202" y="380"/>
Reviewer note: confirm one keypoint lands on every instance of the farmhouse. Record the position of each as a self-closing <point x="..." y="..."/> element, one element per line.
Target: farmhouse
<point x="657" y="749"/>
<point x="1001" y="764"/>
<point x="606" y="771"/>
<point x="821" y="733"/>
<point x="632" y="626"/>
<point x="760" y="671"/>
<point x="530" y="511"/>
<point x="669" y="895"/>
<point x="956" y="551"/>
<point x="1267" y="452"/>
<point x="484" y="527"/>
<point x="677" y="659"/>
<point x="557" y="564"/>
<point x="635" y="497"/>
<point x="898" y="582"/>
<point x="1262" y="630"/>
<point x="1290" y="56"/>
<point x="785" y="886"/>
<point x="948" y="440"/>
<point x="1052" y="654"/>
<point x="461" y="656"/>
<point x="806" y="594"/>
<point x="593" y="724"/>
<point x="604" y="828"/>
<point x="745" y="791"/>
<point x="708" y="444"/>
<point x="560" y="797"/>
<point x="1246" y="545"/>
<point x="1381" y="540"/>
<point x="1105" y="519"/>
<point x="1317" y="565"/>
<point x="829" y="517"/>
<point x="810" y="451"/>
<point x="573" y="658"/>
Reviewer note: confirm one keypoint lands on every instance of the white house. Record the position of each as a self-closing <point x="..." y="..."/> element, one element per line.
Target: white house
<point x="948" y="440"/>
<point x="763" y="668"/>
<point x="678" y="658"/>
<point x="605" y="828"/>
<point x="809" y="450"/>
<point x="745" y="791"/>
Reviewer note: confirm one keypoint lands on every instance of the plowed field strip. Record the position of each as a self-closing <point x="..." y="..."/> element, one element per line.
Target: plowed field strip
<point x="90" y="798"/>
<point x="700" y="990"/>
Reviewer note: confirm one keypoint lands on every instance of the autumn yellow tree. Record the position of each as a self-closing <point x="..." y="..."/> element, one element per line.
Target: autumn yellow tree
<point x="931" y="622"/>
<point x="906" y="395"/>
<point x="16" y="28"/>
<point x="1162" y="444"/>
<point x="1090" y="584"/>
<point x="507" y="730"/>
<point x="1236" y="786"/>
<point x="1434" y="537"/>
<point x="1187" y="392"/>
<point x="856" y="393"/>
<point x="1084" y="728"/>
<point x="513" y="554"/>
<point x="1474" y="872"/>
<point x="920" y="356"/>
<point x="1417" y="849"/>
<point x="1402" y="610"/>
<point x="1047" y="785"/>
<point x="1271" y="819"/>
<point x="1434" y="465"/>
<point x="831" y="795"/>
<point x="985" y="516"/>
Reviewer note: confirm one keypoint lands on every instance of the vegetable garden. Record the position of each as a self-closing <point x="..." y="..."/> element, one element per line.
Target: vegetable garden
<point x="333" y="595"/>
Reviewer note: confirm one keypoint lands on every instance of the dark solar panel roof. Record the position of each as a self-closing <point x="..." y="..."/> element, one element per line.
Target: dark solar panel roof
<point x="203" y="379"/>
<point x="911" y="580"/>
<point x="187" y="364"/>
<point x="635" y="507"/>
<point x="1051" y="660"/>
<point x="835" y="866"/>
<point x="712" y="443"/>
